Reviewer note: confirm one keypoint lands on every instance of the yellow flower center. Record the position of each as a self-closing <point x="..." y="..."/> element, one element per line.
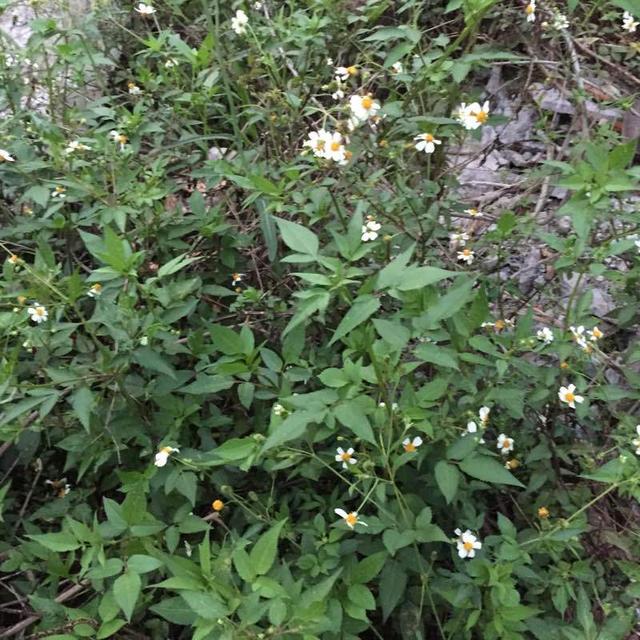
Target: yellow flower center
<point x="409" y="447"/>
<point x="473" y="212"/>
<point x="543" y="513"/>
<point x="60" y="189"/>
<point x="481" y="116"/>
<point x="466" y="252"/>
<point x="468" y="546"/>
<point x="569" y="397"/>
<point x="352" y="71"/>
<point x="166" y="450"/>
<point x="564" y="365"/>
<point x="506" y="444"/>
<point x="335" y="146"/>
<point x="366" y="103"/>
<point x="530" y="9"/>
<point x="428" y="137"/>
<point x="499" y="325"/>
<point x="40" y="311"/>
<point x="217" y="505"/>
<point x="345" y="456"/>
<point x="97" y="287"/>
<point x="122" y="139"/>
<point x="351" y="519"/>
<point x="597" y="333"/>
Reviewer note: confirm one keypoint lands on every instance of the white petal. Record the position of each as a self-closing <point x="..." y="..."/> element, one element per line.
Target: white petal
<point x="340" y="512"/>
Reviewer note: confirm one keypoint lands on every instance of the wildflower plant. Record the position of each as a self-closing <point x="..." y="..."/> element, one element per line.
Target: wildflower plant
<point x="268" y="371"/>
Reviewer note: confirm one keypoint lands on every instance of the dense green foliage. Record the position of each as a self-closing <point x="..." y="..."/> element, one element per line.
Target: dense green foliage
<point x="258" y="307"/>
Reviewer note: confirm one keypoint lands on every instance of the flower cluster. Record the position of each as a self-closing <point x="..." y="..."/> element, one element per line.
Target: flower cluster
<point x="370" y="229"/>
<point x="473" y="115"/>
<point x="327" y="145"/>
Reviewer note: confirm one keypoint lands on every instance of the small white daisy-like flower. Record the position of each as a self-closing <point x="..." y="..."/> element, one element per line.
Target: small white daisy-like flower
<point x="37" y="313"/>
<point x="278" y="409"/>
<point x="397" y="67"/>
<point x="569" y="396"/>
<point x="466" y="255"/>
<point x="473" y="115"/>
<point x="329" y="62"/>
<point x="344" y="73"/>
<point x="410" y="445"/>
<point x="318" y="142"/>
<point x="363" y="107"/>
<point x="134" y="89"/>
<point x="239" y="22"/>
<point x="5" y="156"/>
<point x="170" y="63"/>
<point x="578" y="334"/>
<point x="636" y="441"/>
<point x="95" y="291"/>
<point x="560" y="22"/>
<point x="61" y="487"/>
<point x="144" y="9"/>
<point x="459" y="239"/>
<point x="545" y="335"/>
<point x="338" y="94"/>
<point x="346" y="457"/>
<point x="483" y="414"/>
<point x="474" y="213"/>
<point x="505" y="444"/>
<point x="595" y="334"/>
<point x="351" y="519"/>
<point x="426" y="142"/>
<point x="472" y="428"/>
<point x="236" y="278"/>
<point x="163" y="455"/>
<point x="370" y="229"/>
<point x="75" y="145"/>
<point x="334" y="148"/>
<point x="118" y="137"/>
<point x="59" y="192"/>
<point x="530" y="11"/>
<point x="628" y="23"/>
<point x="467" y="544"/>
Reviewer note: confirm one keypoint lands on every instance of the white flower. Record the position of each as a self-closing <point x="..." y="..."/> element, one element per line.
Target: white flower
<point x="75" y="145"/>
<point x="145" y="9"/>
<point x="338" y="94"/>
<point x="530" y="11"/>
<point x="37" y="313"/>
<point x="426" y="142"/>
<point x="163" y="455"/>
<point x="474" y="213"/>
<point x="397" y="67"/>
<point x="410" y="445"/>
<point x="134" y="89"/>
<point x="370" y="229"/>
<point x="346" y="457"/>
<point x="278" y="409"/>
<point x="239" y="22"/>
<point x="473" y="115"/>
<point x="257" y="5"/>
<point x="351" y="519"/>
<point x="568" y="395"/>
<point x="95" y="291"/>
<point x="334" y="148"/>
<point x="144" y="341"/>
<point x="545" y="335"/>
<point x="483" y="414"/>
<point x="472" y="427"/>
<point x="578" y="336"/>
<point x="636" y="441"/>
<point x="236" y="278"/>
<point x="595" y="334"/>
<point x="466" y="255"/>
<point x="505" y="444"/>
<point x="59" y="192"/>
<point x="318" y="142"/>
<point x="560" y="22"/>
<point x="5" y="156"/>
<point x="459" y="239"/>
<point x="363" y="107"/>
<point x="329" y="62"/>
<point x="118" y="137"/>
<point x="467" y="544"/>
<point x="628" y="23"/>
<point x="344" y="73"/>
<point x="170" y="63"/>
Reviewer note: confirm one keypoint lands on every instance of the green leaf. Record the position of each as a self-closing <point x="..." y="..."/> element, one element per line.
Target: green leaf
<point x="316" y="302"/>
<point x="419" y="277"/>
<point x="391" y="275"/>
<point x="126" y="590"/>
<point x="293" y="427"/>
<point x="352" y="416"/>
<point x="362" y="309"/>
<point x="205" y="604"/>
<point x="439" y="356"/>
<point x="297" y="237"/>
<point x="367" y="569"/>
<point x="174" y="265"/>
<point x="204" y="384"/>
<point x="140" y="563"/>
<point x="107" y="629"/>
<point x="243" y="565"/>
<point x="361" y="596"/>
<point x="489" y="470"/>
<point x="394" y="540"/>
<point x="82" y="402"/>
<point x="264" y="551"/>
<point x="226" y="340"/>
<point x="447" y="479"/>
<point x="175" y="610"/>
<point x="393" y="582"/>
<point x="450" y="303"/>
<point x="147" y="358"/>
<point x="61" y="541"/>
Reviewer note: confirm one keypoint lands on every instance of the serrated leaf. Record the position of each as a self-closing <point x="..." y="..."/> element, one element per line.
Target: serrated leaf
<point x="488" y="470"/>
<point x="126" y="590"/>
<point x="447" y="479"/>
<point x="264" y="551"/>
<point x="297" y="237"/>
<point x="362" y="309"/>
